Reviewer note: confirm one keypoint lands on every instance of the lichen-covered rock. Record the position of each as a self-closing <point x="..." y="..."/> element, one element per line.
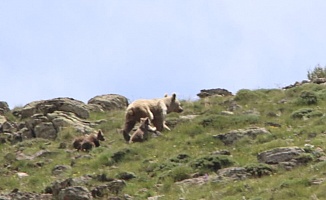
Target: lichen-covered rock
<point x="211" y="92"/>
<point x="75" y="192"/>
<point x="277" y="155"/>
<point x="109" y="102"/>
<point x="4" y="108"/>
<point x="58" y="104"/>
<point x="234" y="135"/>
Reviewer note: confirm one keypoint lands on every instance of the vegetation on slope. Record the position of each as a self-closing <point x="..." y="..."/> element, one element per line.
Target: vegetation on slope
<point x="295" y="117"/>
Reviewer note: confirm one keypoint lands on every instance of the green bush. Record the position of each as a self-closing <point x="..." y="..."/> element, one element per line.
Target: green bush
<point x="259" y="169"/>
<point x="299" y="114"/>
<point x="245" y="95"/>
<point x="317" y="72"/>
<point x="211" y="163"/>
<point x="178" y="173"/>
<point x="307" y="98"/>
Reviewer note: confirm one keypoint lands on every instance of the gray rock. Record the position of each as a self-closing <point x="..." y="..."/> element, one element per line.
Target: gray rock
<point x="39" y="154"/>
<point x="8" y="127"/>
<point x="233" y="173"/>
<point x="59" y="169"/>
<point x="213" y="92"/>
<point x="234" y="135"/>
<point x="17" y="195"/>
<point x="126" y="175"/>
<point x="113" y="187"/>
<point x="65" y="119"/>
<point x="58" y="104"/>
<point x="278" y="155"/>
<point x="75" y="192"/>
<point x="194" y="181"/>
<point x="45" y="130"/>
<point x="110" y="102"/>
<point x="4" y="108"/>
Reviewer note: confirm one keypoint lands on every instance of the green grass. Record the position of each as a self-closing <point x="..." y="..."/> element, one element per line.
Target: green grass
<point x="187" y="149"/>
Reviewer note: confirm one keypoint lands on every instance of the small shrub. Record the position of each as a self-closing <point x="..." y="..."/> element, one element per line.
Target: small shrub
<point x="304" y="158"/>
<point x="317" y="72"/>
<point x="178" y="173"/>
<point x="103" y="159"/>
<point x="259" y="169"/>
<point x="245" y="95"/>
<point x="166" y="166"/>
<point x="299" y="114"/>
<point x="181" y="158"/>
<point x="307" y="98"/>
<point x="122" y="154"/>
<point x="211" y="163"/>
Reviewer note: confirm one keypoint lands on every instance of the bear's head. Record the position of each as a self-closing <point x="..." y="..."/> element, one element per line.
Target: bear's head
<point x="144" y="121"/>
<point x="100" y="135"/>
<point x="173" y="104"/>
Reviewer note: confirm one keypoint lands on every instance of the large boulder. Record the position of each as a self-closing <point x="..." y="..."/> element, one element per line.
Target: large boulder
<point x="234" y="135"/>
<point x="109" y="102"/>
<point x="58" y="104"/>
<point x="48" y="126"/>
<point x="65" y="119"/>
<point x="75" y="192"/>
<point x="278" y="155"/>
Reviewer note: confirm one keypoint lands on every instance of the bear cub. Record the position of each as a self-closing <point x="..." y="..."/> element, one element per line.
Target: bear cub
<point x="87" y="142"/>
<point x="141" y="134"/>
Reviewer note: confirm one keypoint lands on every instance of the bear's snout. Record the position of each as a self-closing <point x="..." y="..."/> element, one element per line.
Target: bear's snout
<point x="180" y="110"/>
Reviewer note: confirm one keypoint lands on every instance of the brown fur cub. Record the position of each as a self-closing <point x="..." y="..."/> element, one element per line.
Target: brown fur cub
<point x="86" y="143"/>
<point x="141" y="134"/>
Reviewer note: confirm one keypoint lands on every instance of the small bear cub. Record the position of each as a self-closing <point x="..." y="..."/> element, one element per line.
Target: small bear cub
<point x="141" y="134"/>
<point x="87" y="142"/>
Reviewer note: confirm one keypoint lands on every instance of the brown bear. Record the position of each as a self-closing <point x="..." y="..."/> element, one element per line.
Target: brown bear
<point x="141" y="134"/>
<point x="154" y="109"/>
<point x="87" y="142"/>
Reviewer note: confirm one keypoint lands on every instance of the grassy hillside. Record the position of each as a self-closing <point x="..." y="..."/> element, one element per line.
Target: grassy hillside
<point x="295" y="117"/>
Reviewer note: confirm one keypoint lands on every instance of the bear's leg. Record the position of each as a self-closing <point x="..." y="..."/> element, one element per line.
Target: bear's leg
<point x="129" y="125"/>
<point x="158" y="124"/>
<point x="166" y="127"/>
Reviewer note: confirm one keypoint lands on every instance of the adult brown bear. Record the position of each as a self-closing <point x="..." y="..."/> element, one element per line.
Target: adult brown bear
<point x="154" y="109"/>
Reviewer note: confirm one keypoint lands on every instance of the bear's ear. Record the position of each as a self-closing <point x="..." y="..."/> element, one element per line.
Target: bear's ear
<point x="174" y="96"/>
<point x="166" y="95"/>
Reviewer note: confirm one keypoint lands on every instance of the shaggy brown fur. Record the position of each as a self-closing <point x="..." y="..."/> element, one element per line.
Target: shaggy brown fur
<point x="154" y="109"/>
<point x="87" y="142"/>
<point x="141" y="134"/>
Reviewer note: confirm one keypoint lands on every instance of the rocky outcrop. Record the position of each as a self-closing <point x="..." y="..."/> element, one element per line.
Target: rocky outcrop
<point x="49" y="106"/>
<point x="278" y="155"/>
<point x="234" y="135"/>
<point x="319" y="80"/>
<point x="109" y="102"/>
<point x="287" y="157"/>
<point x="296" y="84"/>
<point x="214" y="92"/>
<point x="48" y="125"/>
<point x="4" y="108"/>
<point x="18" y="195"/>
